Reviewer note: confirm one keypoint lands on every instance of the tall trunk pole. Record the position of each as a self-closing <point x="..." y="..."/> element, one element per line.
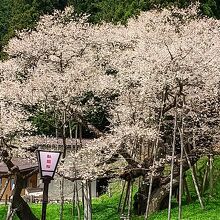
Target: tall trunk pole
<point x="74" y="190"/>
<point x="85" y="210"/>
<point x="61" y="197"/>
<point x="64" y="155"/>
<point x="76" y="137"/>
<point x="121" y="197"/>
<point x="211" y="174"/>
<point x="194" y="180"/>
<point x="77" y="201"/>
<point x="87" y="200"/>
<point x="188" y="197"/>
<point x="83" y="195"/>
<point x="80" y="135"/>
<point x="155" y="146"/>
<point x="76" y="197"/>
<point x="181" y="173"/>
<point x="126" y="197"/>
<point x="205" y="178"/>
<point x="56" y="130"/>
<point x="130" y="200"/>
<point x="172" y="164"/>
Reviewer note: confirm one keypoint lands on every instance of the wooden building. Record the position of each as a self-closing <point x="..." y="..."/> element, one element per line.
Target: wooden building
<point x="25" y="168"/>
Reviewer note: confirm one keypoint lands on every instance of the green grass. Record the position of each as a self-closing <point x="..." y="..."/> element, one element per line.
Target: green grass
<point x="105" y="207"/>
<point x="52" y="211"/>
<point x="192" y="212"/>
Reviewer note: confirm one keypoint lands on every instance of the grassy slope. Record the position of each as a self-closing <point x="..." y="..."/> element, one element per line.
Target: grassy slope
<point x="193" y="211"/>
<point x="105" y="208"/>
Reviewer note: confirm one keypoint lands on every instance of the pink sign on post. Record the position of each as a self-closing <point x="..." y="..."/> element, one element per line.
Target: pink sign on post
<point x="48" y="162"/>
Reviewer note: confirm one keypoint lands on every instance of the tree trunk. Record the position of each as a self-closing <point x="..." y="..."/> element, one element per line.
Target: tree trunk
<point x="87" y="200"/>
<point x="61" y="197"/>
<point x="23" y="211"/>
<point x="76" y="200"/>
<point x="211" y="175"/>
<point x="159" y="197"/>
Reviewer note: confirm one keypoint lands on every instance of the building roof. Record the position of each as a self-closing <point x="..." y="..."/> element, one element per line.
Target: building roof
<point x="36" y="142"/>
<point x="59" y="141"/>
<point x="23" y="164"/>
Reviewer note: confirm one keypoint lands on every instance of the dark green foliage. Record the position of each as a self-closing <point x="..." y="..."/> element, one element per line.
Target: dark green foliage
<point x="211" y="8"/>
<point x="44" y="123"/>
<point x="120" y="10"/>
<point x="4" y="23"/>
<point x="96" y="113"/>
<point x="21" y="14"/>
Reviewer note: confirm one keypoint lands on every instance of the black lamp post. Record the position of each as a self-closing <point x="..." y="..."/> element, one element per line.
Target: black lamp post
<point x="48" y="161"/>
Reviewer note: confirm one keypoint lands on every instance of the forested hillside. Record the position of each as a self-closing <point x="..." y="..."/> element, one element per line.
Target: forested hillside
<point x="20" y="14"/>
<point x="121" y="10"/>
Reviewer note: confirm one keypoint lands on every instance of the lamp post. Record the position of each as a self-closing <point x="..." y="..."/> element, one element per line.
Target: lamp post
<point x="48" y="161"/>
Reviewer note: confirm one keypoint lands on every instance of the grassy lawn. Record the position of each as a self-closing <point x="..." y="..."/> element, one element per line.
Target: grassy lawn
<point x="193" y="212"/>
<point x="52" y="211"/>
<point x="105" y="207"/>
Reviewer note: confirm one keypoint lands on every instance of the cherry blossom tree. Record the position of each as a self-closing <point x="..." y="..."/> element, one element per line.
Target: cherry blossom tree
<point x="157" y="78"/>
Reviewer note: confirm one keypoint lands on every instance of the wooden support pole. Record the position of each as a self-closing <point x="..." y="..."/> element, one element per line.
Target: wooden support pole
<point x="205" y="178"/>
<point x="181" y="173"/>
<point x="126" y="197"/>
<point x="121" y="197"/>
<point x="188" y="197"/>
<point x="172" y="164"/>
<point x="87" y="200"/>
<point x="130" y="200"/>
<point x="154" y="151"/>
<point x="211" y="175"/>
<point x="194" y="180"/>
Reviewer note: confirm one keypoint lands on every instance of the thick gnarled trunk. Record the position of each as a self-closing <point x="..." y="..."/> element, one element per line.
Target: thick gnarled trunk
<point x="18" y="205"/>
<point x="159" y="197"/>
<point x="23" y="210"/>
